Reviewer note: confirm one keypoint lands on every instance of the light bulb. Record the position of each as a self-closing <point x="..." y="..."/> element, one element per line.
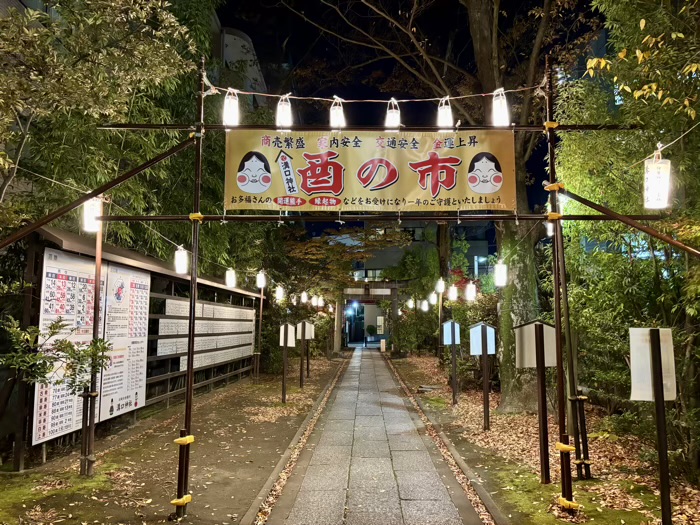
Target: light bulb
<point x="231" y="116"/>
<point x="337" y="115"/>
<point x="657" y="182"/>
<point x="444" y="115"/>
<point x="279" y="294"/>
<point x="283" y="119"/>
<point x="452" y="293"/>
<point x="424" y="305"/>
<point x="500" y="116"/>
<point x="393" y="116"/>
<point x="433" y="298"/>
<point x="91" y="210"/>
<point x="411" y="303"/>
<point x="321" y="302"/>
<point x="304" y="297"/>
<point x="182" y="260"/>
<point x="230" y="278"/>
<point x="260" y="280"/>
<point x="550" y="228"/>
<point x="500" y="274"/>
<point x="470" y="292"/>
<point x="440" y="286"/>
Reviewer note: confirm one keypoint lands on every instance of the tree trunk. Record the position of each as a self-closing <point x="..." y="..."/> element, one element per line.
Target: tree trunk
<point x="338" y="328"/>
<point x="444" y="247"/>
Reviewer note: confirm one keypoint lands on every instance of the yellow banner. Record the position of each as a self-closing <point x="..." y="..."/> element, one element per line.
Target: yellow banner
<point x="370" y="171"/>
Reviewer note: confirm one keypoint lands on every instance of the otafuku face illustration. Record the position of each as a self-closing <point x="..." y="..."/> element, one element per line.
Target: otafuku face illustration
<point x="254" y="176"/>
<point x="485" y="174"/>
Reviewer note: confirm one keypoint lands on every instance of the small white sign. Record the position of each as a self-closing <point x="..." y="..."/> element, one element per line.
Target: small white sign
<point x="308" y="331"/>
<point x="447" y="333"/>
<point x="290" y="335"/>
<point x="525" y="346"/>
<point x="475" y="340"/>
<point x="382" y="345"/>
<point x="640" y="364"/>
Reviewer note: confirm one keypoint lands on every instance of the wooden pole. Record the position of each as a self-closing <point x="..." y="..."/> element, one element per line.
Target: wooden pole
<point x="661" y="436"/>
<point x="285" y="333"/>
<point x="542" y="404"/>
<point x="301" y="354"/>
<point x="454" y="363"/>
<point x="486" y="373"/>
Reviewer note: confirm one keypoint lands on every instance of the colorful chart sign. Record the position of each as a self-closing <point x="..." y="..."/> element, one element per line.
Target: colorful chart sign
<point x="370" y="171"/>
<point x="68" y="288"/>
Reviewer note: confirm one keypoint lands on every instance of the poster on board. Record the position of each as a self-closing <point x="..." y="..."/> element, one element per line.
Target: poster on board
<point x="67" y="293"/>
<point x="123" y="385"/>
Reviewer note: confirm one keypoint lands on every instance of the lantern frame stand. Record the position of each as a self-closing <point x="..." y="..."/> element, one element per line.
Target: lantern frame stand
<point x="196" y="218"/>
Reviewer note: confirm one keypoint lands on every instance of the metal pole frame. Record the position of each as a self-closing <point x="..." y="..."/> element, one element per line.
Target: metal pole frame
<point x="454" y="362"/>
<point x="563" y="444"/>
<point x="93" y="395"/>
<point x="486" y="375"/>
<point x="284" y="362"/>
<point x="545" y="477"/>
<point x="301" y="354"/>
<point x="186" y="430"/>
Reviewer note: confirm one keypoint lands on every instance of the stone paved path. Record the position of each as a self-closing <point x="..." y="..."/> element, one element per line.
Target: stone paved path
<point x="368" y="461"/>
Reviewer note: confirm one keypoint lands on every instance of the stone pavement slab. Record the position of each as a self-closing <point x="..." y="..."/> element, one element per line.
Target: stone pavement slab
<point x="368" y="461"/>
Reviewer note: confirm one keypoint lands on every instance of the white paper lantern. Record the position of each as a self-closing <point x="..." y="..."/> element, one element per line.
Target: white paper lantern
<point x="500" y="274"/>
<point x="337" y="115"/>
<point x="293" y="298"/>
<point x="500" y="116"/>
<point x="411" y="303"/>
<point x="550" y="228"/>
<point x="444" y="115"/>
<point x="260" y="280"/>
<point x="657" y="182"/>
<point x="393" y="116"/>
<point x="433" y="298"/>
<point x="182" y="261"/>
<point x="231" y="116"/>
<point x="91" y="210"/>
<point x="279" y="294"/>
<point x="330" y="308"/>
<point x="321" y="302"/>
<point x="230" y="278"/>
<point x="283" y="118"/>
<point x="304" y="297"/>
<point x="440" y="286"/>
<point x="314" y="301"/>
<point x="424" y="305"/>
<point x="470" y="292"/>
<point x="452" y="293"/>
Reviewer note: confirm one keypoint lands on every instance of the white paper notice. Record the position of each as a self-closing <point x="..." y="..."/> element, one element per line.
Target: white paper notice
<point x="640" y="364"/>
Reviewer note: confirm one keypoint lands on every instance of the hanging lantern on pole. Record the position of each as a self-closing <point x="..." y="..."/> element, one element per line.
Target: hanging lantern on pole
<point x="283" y="118"/>
<point x="444" y="115"/>
<point x="330" y="308"/>
<point x="500" y="274"/>
<point x="440" y="285"/>
<point x="470" y="292"/>
<point x="424" y="305"/>
<point x="657" y="181"/>
<point x="314" y="301"/>
<point x="279" y="294"/>
<point x="321" y="302"/>
<point x="182" y="262"/>
<point x="452" y="293"/>
<point x="393" y="116"/>
<point x="500" y="116"/>
<point x="260" y="280"/>
<point x="231" y="116"/>
<point x="304" y="297"/>
<point x="230" y="278"/>
<point x="337" y="114"/>
<point x="91" y="210"/>
<point x="433" y="298"/>
<point x="411" y="304"/>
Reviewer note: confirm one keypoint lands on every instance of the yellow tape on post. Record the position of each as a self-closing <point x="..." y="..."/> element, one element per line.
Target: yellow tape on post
<point x="565" y="503"/>
<point x="184" y="440"/>
<point x="196" y="217"/>
<point x="551" y="216"/>
<point x="561" y="447"/>
<point x="181" y="502"/>
<point x="551" y="124"/>
<point x="555" y="186"/>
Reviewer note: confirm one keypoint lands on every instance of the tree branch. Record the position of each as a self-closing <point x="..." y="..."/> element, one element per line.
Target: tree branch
<point x="8" y="180"/>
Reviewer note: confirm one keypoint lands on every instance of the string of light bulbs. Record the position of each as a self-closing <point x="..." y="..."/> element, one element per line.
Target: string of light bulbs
<point x="283" y="119"/>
